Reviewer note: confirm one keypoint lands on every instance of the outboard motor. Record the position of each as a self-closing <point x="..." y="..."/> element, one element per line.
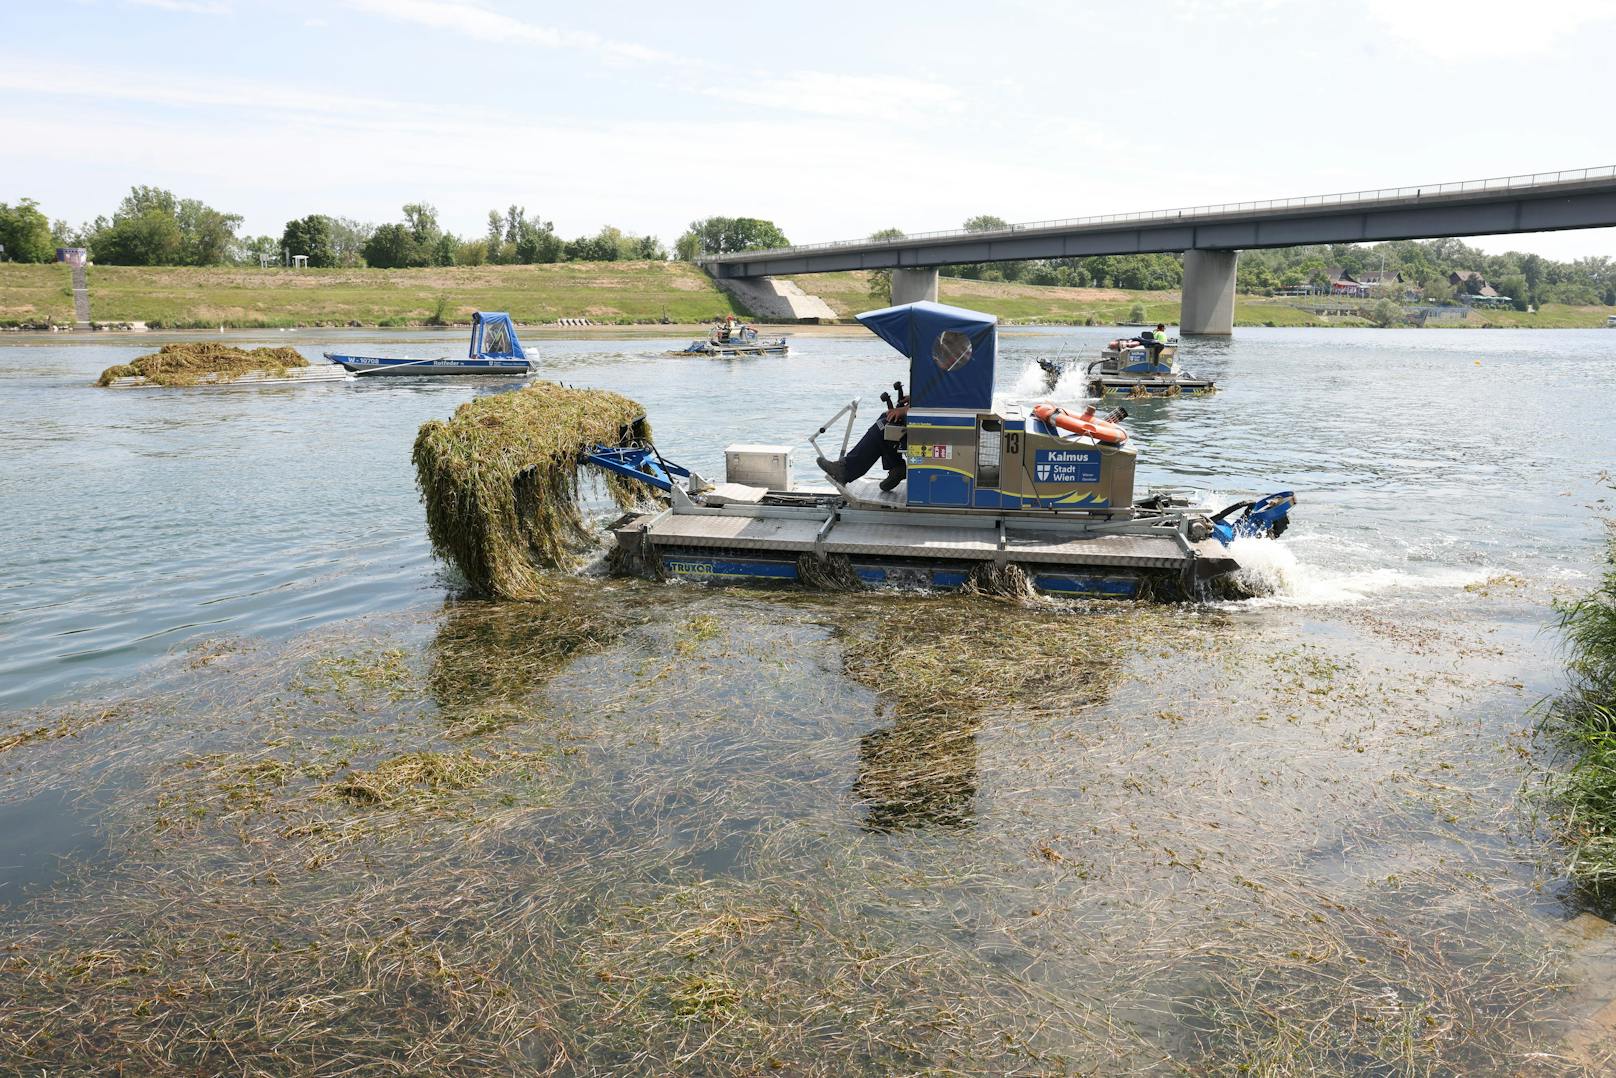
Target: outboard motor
<point x="1268" y="516"/>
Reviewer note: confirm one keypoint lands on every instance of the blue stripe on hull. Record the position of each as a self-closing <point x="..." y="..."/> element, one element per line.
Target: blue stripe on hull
<point x="376" y="365"/>
<point x="733" y="570"/>
<point x="730" y="569"/>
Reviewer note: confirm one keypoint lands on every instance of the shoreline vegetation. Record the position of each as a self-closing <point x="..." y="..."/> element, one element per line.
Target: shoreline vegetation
<point x="1581" y="723"/>
<point x="644" y="293"/>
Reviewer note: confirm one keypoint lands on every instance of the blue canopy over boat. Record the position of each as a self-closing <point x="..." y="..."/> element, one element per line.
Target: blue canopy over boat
<point x="950" y="349"/>
<point x="493" y="336"/>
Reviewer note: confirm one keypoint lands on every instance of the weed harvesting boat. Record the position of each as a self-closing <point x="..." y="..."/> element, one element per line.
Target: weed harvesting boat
<point x="495" y="350"/>
<point x="1135" y="368"/>
<point x="1035" y="496"/>
<point x="730" y="339"/>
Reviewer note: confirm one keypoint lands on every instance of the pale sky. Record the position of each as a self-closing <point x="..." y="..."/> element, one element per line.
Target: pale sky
<point x="831" y="119"/>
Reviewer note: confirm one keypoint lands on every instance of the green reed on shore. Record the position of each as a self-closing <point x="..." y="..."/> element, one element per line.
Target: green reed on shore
<point x="1583" y="721"/>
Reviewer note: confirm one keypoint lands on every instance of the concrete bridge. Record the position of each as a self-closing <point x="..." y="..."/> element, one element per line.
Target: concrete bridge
<point x="1212" y="237"/>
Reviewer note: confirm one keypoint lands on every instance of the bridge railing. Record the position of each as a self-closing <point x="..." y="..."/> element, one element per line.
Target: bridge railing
<point x="1495" y="183"/>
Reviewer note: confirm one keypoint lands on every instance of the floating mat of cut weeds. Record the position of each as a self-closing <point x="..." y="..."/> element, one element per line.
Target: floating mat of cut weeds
<point x="188" y="364"/>
<point x="500" y="482"/>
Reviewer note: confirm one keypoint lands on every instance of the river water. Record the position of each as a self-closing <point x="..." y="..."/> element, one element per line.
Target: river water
<point x="1450" y="489"/>
<point x="1424" y="460"/>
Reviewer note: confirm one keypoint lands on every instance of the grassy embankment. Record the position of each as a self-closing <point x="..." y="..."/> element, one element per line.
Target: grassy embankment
<point x="35" y="294"/>
<point x="849" y="293"/>
<point x="618" y="293"/>
<point x="1583" y="722"/>
<point x="186" y="297"/>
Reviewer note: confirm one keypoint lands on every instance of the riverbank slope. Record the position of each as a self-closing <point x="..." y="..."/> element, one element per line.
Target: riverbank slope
<point x="849" y="293"/>
<point x="182" y="297"/>
<point x="606" y="293"/>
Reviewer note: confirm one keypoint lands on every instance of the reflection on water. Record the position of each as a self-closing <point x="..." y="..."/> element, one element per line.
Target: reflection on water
<point x="43" y="836"/>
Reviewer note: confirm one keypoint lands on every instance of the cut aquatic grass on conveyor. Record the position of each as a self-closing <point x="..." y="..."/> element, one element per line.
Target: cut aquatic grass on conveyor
<point x="188" y="364"/>
<point x="500" y="482"/>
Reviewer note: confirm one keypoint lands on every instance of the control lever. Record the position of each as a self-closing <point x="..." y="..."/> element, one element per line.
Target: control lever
<point x="903" y="398"/>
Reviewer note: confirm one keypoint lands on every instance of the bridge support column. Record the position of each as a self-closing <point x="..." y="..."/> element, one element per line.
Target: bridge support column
<point x="1208" y="305"/>
<point x="913" y="285"/>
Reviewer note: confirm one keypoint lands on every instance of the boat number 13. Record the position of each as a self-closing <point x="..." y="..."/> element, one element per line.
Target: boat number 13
<point x="1012" y="444"/>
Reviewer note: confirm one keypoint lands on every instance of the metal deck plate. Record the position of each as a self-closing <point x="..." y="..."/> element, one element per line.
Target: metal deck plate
<point x="747" y="533"/>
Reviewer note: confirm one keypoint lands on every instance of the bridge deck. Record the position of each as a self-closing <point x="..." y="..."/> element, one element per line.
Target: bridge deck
<point x="1543" y="202"/>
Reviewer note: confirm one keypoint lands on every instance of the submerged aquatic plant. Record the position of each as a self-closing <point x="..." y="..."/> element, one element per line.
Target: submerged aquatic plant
<point x="188" y="364"/>
<point x="632" y="829"/>
<point x="500" y="481"/>
<point x="1583" y="721"/>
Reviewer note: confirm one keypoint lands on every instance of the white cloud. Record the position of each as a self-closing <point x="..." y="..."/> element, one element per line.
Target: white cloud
<point x="481" y="23"/>
<point x="1486" y="29"/>
<point x="856" y="96"/>
<point x="189" y="7"/>
<point x="918" y="145"/>
<point x="107" y="86"/>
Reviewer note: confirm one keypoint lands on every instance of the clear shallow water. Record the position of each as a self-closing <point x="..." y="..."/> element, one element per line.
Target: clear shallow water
<point x="138" y="522"/>
<point x="1284" y="835"/>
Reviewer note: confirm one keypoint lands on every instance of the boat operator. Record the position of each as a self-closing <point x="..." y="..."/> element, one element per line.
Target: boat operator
<point x="884" y="441"/>
<point x="1158" y="344"/>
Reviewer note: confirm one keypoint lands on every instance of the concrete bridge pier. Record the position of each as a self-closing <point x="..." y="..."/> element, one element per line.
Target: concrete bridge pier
<point x="913" y="285"/>
<point x="1208" y="304"/>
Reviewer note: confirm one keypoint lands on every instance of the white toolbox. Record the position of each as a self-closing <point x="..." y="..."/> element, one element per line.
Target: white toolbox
<point x="767" y="466"/>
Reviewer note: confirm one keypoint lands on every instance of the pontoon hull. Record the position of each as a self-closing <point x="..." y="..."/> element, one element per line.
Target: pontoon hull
<point x="1150" y="387"/>
<point x="375" y="366"/>
<point x="899" y="548"/>
<point x="722" y="350"/>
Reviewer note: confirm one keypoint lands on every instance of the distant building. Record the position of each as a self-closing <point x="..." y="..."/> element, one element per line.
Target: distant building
<point x="73" y="256"/>
<point x="1473" y="289"/>
<point x="1472" y="283"/>
<point x="1390" y="281"/>
<point x="1374" y="278"/>
<point x="1343" y="283"/>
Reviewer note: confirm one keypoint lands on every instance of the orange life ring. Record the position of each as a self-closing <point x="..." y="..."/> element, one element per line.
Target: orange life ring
<point x="1098" y="429"/>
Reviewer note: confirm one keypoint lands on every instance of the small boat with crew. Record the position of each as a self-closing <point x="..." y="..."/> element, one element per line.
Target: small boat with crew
<point x="495" y="350"/>
<point x="1142" y="366"/>
<point x="733" y="338"/>
<point x="976" y="494"/>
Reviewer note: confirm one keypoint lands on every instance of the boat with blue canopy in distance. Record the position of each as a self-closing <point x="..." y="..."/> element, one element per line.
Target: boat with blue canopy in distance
<point x="494" y="350"/>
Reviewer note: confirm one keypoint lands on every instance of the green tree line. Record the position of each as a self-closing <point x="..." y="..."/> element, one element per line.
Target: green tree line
<point x="1428" y="265"/>
<point x="152" y="227"/>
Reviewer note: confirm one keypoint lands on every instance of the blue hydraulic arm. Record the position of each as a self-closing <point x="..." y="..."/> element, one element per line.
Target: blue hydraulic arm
<point x="1267" y="516"/>
<point x="641" y="462"/>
